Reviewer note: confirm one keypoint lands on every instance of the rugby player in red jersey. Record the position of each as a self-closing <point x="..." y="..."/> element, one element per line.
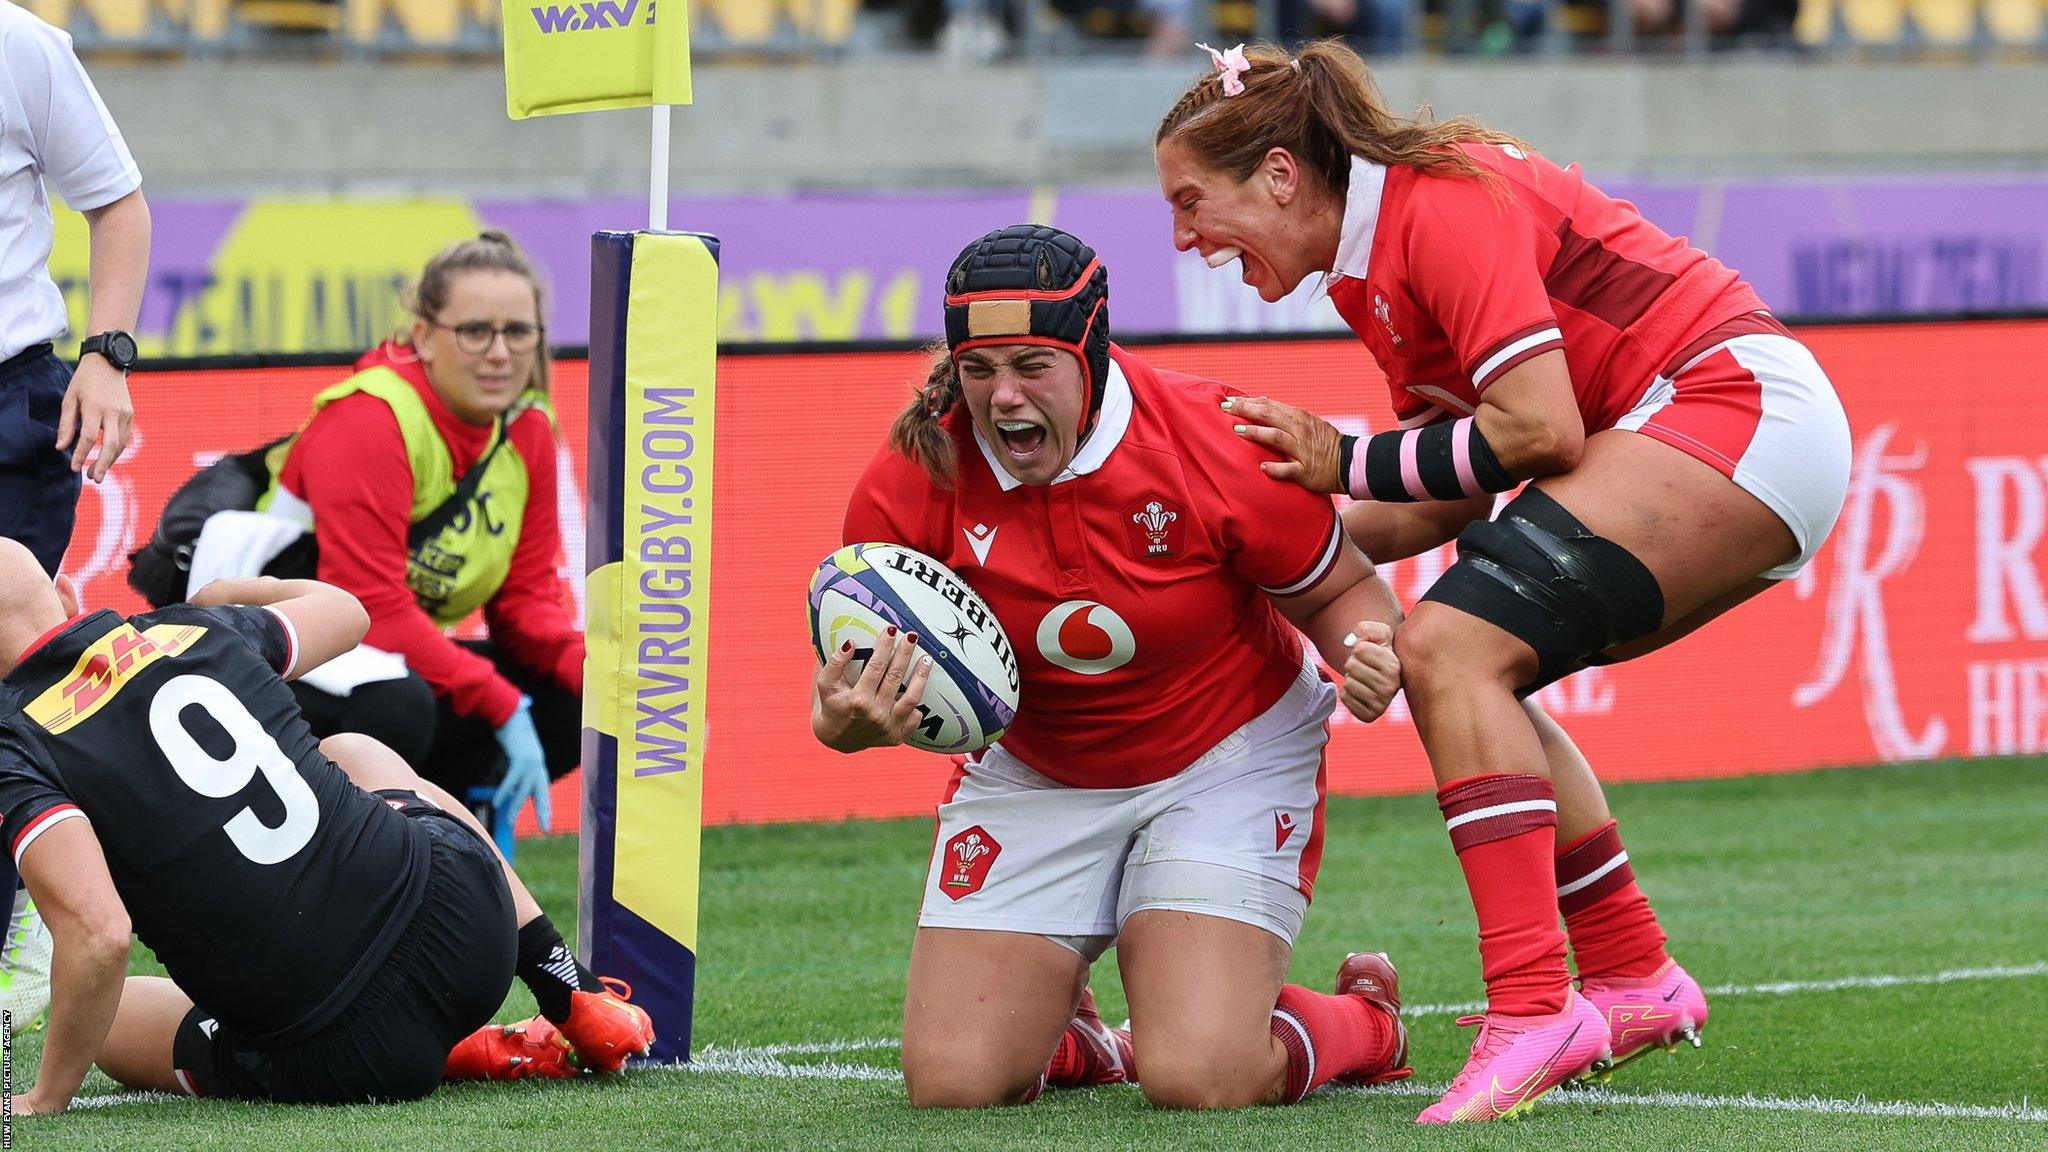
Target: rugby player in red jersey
<point x="1688" y="452"/>
<point x="332" y="924"/>
<point x="1162" y="785"/>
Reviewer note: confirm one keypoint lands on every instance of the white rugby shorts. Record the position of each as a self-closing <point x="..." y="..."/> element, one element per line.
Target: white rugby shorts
<point x="1758" y="408"/>
<point x="1237" y="834"/>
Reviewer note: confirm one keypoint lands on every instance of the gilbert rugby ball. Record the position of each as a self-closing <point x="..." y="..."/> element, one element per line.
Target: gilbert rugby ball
<point x="971" y="697"/>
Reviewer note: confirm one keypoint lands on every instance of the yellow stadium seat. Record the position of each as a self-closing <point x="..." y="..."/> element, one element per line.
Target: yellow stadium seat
<point x="363" y="20"/>
<point x="54" y="12"/>
<point x="1815" y="24"/>
<point x="429" y="23"/>
<point x="1874" y="22"/>
<point x="1945" y="23"/>
<point x="824" y="21"/>
<point x="289" y="15"/>
<point x="2016" y="23"/>
<point x="754" y="23"/>
<point x="208" y="20"/>
<point x="742" y="22"/>
<point x="111" y="19"/>
<point x="485" y="13"/>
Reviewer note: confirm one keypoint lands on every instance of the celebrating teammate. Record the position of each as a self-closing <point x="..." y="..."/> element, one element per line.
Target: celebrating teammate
<point x="1689" y="453"/>
<point x="329" y="937"/>
<point x="1162" y="785"/>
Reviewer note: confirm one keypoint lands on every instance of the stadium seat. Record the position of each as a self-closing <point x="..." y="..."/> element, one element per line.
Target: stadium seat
<point x="740" y="22"/>
<point x="1874" y="23"/>
<point x="2015" y="23"/>
<point x="1944" y="23"/>
<point x="290" y="16"/>
<point x="53" y="12"/>
<point x="756" y="23"/>
<point x="823" y="21"/>
<point x="1815" y="24"/>
<point x="111" y="19"/>
<point x="428" y="23"/>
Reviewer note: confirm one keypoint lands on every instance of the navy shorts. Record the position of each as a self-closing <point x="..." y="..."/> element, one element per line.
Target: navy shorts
<point x="38" y="489"/>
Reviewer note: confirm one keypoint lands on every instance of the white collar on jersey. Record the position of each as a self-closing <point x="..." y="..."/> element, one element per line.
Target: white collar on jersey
<point x="1361" y="218"/>
<point x="1110" y="425"/>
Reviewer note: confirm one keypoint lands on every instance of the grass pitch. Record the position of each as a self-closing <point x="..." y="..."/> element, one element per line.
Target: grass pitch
<point x="1905" y="905"/>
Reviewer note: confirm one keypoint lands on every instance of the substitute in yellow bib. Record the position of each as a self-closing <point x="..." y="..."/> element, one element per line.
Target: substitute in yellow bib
<point x="429" y="479"/>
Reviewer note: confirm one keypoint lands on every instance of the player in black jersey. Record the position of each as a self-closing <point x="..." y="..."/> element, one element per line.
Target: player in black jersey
<point x="333" y="925"/>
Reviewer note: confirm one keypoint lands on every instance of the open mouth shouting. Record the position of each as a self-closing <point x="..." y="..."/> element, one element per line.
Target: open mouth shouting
<point x="1023" y="440"/>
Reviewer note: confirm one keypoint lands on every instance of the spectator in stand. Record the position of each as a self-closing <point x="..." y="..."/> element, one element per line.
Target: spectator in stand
<point x="1373" y="27"/>
<point x="428" y="480"/>
<point x="976" y="31"/>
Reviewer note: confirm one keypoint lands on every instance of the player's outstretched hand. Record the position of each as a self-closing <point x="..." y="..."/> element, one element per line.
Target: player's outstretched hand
<point x="1309" y="443"/>
<point x="1372" y="674"/>
<point x="880" y="708"/>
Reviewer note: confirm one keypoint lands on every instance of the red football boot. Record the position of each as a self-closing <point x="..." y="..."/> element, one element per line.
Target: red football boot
<point x="1091" y="1052"/>
<point x="512" y="1052"/>
<point x="605" y="1030"/>
<point x="1370" y="976"/>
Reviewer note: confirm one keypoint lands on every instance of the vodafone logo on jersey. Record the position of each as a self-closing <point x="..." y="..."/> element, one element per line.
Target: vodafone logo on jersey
<point x="1086" y="637"/>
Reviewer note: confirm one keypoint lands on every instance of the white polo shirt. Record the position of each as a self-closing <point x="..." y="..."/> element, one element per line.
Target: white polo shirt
<point x="52" y="124"/>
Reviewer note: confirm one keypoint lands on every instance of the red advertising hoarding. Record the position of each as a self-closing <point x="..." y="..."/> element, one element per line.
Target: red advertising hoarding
<point x="1920" y="631"/>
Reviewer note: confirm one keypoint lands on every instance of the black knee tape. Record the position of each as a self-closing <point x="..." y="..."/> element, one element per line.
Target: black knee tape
<point x="1537" y="573"/>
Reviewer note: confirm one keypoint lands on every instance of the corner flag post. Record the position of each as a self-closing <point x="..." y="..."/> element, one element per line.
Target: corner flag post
<point x="653" y="402"/>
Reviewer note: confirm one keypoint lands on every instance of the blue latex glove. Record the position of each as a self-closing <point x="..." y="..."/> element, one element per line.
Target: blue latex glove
<point x="479" y="800"/>
<point x="526" y="769"/>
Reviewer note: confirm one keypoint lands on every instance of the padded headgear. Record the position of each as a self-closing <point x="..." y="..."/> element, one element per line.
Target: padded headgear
<point x="1033" y="284"/>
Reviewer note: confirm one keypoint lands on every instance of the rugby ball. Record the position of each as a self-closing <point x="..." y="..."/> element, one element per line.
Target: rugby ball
<point x="862" y="589"/>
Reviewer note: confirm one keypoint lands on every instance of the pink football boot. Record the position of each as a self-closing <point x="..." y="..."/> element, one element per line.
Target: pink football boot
<point x="1516" y="1059"/>
<point x="1644" y="1015"/>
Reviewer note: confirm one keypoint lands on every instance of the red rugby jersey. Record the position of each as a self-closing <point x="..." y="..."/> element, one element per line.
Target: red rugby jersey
<point x="1451" y="281"/>
<point x="1134" y="587"/>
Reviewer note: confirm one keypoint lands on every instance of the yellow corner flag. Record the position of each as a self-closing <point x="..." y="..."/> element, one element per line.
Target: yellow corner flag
<point x="587" y="55"/>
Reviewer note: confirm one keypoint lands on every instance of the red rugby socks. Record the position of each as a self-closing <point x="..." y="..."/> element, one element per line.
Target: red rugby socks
<point x="1614" y="933"/>
<point x="1328" y="1036"/>
<point x="1504" y="828"/>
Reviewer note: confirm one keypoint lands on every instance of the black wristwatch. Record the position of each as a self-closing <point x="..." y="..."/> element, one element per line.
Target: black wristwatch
<point x="117" y="347"/>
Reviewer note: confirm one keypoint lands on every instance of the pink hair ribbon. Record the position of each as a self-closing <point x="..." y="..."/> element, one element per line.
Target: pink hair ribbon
<point x="1232" y="65"/>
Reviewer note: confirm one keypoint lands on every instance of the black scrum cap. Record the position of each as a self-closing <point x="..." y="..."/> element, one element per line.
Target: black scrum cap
<point x="1033" y="284"/>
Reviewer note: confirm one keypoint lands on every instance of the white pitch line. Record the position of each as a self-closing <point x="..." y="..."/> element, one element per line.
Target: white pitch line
<point x="110" y="1101"/>
<point x="1791" y="987"/>
<point x="766" y="1060"/>
<point x="758" y="1062"/>
<point x="1749" y="1102"/>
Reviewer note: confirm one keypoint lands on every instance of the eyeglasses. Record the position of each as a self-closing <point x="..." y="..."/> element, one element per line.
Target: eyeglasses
<point x="475" y="336"/>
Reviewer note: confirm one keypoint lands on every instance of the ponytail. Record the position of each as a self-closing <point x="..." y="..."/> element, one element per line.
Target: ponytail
<point x="1323" y="107"/>
<point x="918" y="433"/>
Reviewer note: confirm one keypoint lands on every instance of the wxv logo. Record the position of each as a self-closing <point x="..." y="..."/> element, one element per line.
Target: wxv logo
<point x="582" y="17"/>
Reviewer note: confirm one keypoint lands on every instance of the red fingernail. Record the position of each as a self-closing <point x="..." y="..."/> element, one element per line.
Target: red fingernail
<point x="846" y="647"/>
<point x="892" y="630"/>
<point x="912" y="638"/>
